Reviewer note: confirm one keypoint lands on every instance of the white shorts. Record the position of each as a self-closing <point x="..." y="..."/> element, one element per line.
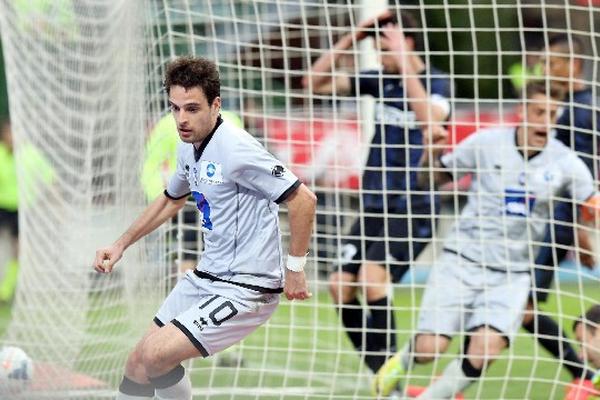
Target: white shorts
<point x="215" y="315"/>
<point x="461" y="296"/>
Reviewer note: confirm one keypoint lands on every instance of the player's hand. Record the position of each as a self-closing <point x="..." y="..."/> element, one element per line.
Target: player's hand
<point x="587" y="259"/>
<point x="369" y="24"/>
<point x="107" y="257"/>
<point x="435" y="136"/>
<point x="295" y="286"/>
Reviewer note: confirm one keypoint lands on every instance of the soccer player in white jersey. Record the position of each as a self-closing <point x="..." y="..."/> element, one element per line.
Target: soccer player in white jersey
<point x="235" y="288"/>
<point x="480" y="283"/>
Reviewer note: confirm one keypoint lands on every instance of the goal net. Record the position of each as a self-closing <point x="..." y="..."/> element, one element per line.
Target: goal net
<point x="86" y="98"/>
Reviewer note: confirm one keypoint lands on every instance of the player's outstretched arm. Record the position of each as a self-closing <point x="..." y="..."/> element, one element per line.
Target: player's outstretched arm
<point x="322" y="77"/>
<point x="427" y="111"/>
<point x="301" y="212"/>
<point x="431" y="172"/>
<point x="160" y="210"/>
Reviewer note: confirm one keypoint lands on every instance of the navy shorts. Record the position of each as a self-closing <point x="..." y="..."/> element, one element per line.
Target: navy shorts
<point x="393" y="240"/>
<point x="552" y="252"/>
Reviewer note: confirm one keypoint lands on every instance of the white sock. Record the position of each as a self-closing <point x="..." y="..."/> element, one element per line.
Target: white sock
<point x="182" y="390"/>
<point x="407" y="357"/>
<point x="452" y="381"/>
<point x="123" y="396"/>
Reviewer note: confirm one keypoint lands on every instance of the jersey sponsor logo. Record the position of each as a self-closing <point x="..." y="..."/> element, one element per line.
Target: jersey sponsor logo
<point x="211" y="173"/>
<point x="204" y="208"/>
<point x="278" y="171"/>
<point x="388" y="115"/>
<point x="518" y="203"/>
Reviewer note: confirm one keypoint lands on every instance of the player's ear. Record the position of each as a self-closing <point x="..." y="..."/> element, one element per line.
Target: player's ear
<point x="216" y="104"/>
<point x="576" y="65"/>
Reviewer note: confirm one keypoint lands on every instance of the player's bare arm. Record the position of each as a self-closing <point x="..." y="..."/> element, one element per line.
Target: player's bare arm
<point x="432" y="173"/>
<point x="301" y="206"/>
<point x="160" y="210"/>
<point x="409" y="66"/>
<point x="323" y="77"/>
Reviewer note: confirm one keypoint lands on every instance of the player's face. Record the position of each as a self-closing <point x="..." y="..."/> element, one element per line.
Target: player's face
<point x="195" y="118"/>
<point x="540" y="115"/>
<point x="590" y="344"/>
<point x="558" y="66"/>
<point x="386" y="58"/>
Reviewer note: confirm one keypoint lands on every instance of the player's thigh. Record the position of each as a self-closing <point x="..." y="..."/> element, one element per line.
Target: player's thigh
<point x="134" y="367"/>
<point x="184" y="295"/>
<point x="501" y="303"/>
<point x="217" y="322"/>
<point x="165" y="348"/>
<point x="447" y="300"/>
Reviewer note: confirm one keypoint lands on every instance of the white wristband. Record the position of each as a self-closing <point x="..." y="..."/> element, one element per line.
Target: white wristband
<point x="296" y="264"/>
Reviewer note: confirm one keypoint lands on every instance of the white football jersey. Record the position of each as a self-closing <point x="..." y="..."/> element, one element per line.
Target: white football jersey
<point x="511" y="196"/>
<point x="236" y="184"/>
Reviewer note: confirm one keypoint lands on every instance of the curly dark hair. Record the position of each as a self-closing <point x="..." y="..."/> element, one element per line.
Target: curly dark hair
<point x="190" y="72"/>
<point x="591" y="318"/>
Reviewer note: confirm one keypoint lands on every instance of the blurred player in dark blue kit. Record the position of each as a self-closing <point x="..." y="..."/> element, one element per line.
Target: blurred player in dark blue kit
<point x="577" y="128"/>
<point x="397" y="220"/>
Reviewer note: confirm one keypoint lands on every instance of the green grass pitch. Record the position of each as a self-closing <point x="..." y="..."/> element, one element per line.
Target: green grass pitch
<point x="314" y="359"/>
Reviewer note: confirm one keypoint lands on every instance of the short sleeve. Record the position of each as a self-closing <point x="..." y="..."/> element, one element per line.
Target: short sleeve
<point x="463" y="159"/>
<point x="366" y="82"/>
<point x="253" y="167"/>
<point x="440" y="92"/>
<point x="579" y="180"/>
<point x="178" y="186"/>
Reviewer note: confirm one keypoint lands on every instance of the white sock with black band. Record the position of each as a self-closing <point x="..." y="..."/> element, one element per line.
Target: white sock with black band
<point x="130" y="390"/>
<point x="174" y="385"/>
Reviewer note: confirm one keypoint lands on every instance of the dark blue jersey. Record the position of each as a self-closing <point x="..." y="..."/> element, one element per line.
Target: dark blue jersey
<point x="578" y="124"/>
<point x="396" y="146"/>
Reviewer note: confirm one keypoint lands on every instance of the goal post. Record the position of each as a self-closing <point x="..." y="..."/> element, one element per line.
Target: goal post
<point x="86" y="94"/>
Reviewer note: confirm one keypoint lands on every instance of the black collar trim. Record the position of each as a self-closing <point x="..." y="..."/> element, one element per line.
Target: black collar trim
<point x="198" y="151"/>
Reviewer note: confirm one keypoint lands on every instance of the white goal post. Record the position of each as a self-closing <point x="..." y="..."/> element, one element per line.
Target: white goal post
<point x="85" y="92"/>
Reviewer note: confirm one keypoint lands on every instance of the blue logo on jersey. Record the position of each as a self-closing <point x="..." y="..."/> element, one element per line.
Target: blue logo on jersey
<point x="204" y="208"/>
<point x="210" y="170"/>
<point x="518" y="202"/>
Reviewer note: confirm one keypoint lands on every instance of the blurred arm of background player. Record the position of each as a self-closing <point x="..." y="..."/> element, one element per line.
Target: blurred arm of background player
<point x="392" y="44"/>
<point x="432" y="173"/>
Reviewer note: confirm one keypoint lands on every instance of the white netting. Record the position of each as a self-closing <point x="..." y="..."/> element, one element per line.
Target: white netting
<point x="77" y="96"/>
<point x="80" y="67"/>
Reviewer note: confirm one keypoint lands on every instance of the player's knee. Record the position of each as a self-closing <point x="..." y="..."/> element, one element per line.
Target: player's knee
<point x="374" y="278"/>
<point x="428" y="347"/>
<point x="341" y="288"/>
<point x="134" y="367"/>
<point x="484" y="347"/>
<point x="153" y="361"/>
